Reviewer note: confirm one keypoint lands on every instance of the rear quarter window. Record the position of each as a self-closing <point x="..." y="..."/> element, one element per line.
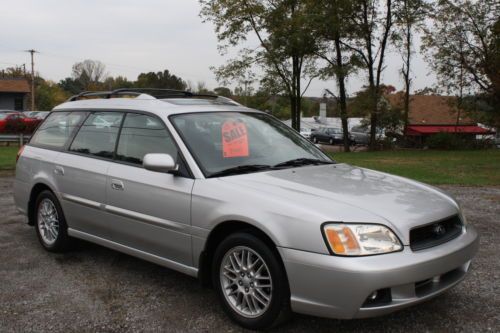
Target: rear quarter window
<point x="57" y="129"/>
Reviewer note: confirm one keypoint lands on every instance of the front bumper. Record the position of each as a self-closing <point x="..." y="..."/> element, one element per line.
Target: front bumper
<point x="337" y="287"/>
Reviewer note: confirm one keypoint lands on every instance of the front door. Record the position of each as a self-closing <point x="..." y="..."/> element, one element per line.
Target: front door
<point x="148" y="211"/>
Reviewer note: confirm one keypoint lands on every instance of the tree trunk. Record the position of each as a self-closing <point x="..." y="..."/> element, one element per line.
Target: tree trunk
<point x="295" y="97"/>
<point x="342" y="94"/>
<point x="406" y="71"/>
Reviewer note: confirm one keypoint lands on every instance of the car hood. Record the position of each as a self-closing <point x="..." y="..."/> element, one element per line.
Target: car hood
<point x="346" y="193"/>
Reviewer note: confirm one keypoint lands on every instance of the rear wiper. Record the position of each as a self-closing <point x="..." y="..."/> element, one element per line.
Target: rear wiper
<point x="241" y="169"/>
<point x="302" y="161"/>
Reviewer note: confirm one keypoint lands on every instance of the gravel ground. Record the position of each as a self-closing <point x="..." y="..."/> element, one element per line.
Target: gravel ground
<point x="100" y="290"/>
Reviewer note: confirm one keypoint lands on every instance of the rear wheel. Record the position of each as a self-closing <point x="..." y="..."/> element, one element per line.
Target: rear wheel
<point x="315" y="139"/>
<point x="331" y="141"/>
<point x="50" y="224"/>
<point x="250" y="282"/>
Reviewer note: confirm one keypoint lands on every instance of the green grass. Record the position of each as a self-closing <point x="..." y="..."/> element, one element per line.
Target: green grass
<point x="477" y="167"/>
<point x="8" y="157"/>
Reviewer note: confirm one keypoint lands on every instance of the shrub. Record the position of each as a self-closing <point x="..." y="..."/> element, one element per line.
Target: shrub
<point x="450" y="141"/>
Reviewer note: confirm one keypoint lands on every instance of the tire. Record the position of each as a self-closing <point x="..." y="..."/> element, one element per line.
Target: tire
<point x="315" y="140"/>
<point x="50" y="224"/>
<point x="241" y="297"/>
<point x="331" y="141"/>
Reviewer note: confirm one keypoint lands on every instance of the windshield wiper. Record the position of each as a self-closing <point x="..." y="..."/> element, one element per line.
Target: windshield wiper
<point x="302" y="161"/>
<point x="241" y="169"/>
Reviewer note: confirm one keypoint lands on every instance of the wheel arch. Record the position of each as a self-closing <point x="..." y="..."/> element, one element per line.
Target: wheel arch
<point x="221" y="231"/>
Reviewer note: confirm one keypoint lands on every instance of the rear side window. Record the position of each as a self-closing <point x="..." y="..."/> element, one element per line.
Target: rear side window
<point x="56" y="130"/>
<point x="98" y="134"/>
<point x="142" y="135"/>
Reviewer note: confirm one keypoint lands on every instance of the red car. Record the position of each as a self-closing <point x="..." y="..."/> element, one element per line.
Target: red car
<point x="16" y="122"/>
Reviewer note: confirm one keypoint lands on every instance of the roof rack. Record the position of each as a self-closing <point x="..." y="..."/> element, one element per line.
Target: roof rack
<point x="153" y="92"/>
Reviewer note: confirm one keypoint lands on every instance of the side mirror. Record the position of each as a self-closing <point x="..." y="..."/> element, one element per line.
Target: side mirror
<point x="159" y="163"/>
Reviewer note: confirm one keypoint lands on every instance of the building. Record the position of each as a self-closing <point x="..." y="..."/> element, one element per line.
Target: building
<point x="14" y="94"/>
<point x="431" y="114"/>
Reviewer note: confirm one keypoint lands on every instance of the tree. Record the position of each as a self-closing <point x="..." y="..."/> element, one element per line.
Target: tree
<point x="48" y="94"/>
<point x="463" y="47"/>
<point x="89" y="74"/>
<point x="162" y="80"/>
<point x="372" y="24"/>
<point x="14" y="72"/>
<point x="410" y="15"/>
<point x="223" y="91"/>
<point x="330" y="19"/>
<point x="71" y="85"/>
<point x="112" y="83"/>
<point x="286" y="44"/>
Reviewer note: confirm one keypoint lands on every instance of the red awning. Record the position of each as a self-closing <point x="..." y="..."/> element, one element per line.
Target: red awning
<point x="433" y="129"/>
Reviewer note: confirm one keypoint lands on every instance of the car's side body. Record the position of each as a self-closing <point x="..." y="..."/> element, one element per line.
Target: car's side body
<point x="170" y="219"/>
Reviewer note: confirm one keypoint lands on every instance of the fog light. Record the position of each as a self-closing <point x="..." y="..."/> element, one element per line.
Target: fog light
<point x="379" y="297"/>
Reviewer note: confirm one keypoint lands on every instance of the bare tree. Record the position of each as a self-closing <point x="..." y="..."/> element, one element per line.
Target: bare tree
<point x="89" y="73"/>
<point x="373" y="21"/>
<point x="409" y="16"/>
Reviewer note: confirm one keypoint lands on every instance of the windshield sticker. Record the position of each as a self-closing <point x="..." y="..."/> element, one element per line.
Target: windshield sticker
<point x="234" y="139"/>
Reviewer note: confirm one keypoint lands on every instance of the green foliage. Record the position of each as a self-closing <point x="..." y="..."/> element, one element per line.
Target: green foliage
<point x="163" y="79"/>
<point x="286" y="49"/>
<point x="447" y="141"/>
<point x="48" y="95"/>
<point x="463" y="47"/>
<point x="223" y="91"/>
<point x="451" y="141"/>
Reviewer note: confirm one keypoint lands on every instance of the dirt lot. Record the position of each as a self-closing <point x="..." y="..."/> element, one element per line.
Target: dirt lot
<point x="96" y="289"/>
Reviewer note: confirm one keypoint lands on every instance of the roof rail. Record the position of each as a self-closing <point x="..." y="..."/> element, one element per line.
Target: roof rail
<point x="153" y="92"/>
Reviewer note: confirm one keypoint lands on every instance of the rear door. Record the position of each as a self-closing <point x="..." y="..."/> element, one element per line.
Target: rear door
<point x="149" y="211"/>
<point x="82" y="172"/>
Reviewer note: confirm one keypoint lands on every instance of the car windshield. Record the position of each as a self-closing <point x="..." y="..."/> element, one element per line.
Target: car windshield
<point x="244" y="141"/>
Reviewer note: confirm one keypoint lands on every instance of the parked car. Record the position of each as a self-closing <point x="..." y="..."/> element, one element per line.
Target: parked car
<point x="236" y="198"/>
<point x="305" y="133"/>
<point x="14" y="122"/>
<point x="331" y="135"/>
<point x="36" y="114"/>
<point x="360" y="135"/>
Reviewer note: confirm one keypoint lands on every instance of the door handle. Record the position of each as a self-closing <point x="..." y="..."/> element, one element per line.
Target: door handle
<point x="117" y="185"/>
<point x="59" y="170"/>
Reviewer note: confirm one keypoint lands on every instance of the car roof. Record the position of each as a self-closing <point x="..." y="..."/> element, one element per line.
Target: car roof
<point x="148" y="103"/>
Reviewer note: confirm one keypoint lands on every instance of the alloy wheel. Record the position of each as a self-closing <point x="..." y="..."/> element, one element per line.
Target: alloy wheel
<point x="48" y="221"/>
<point x="246" y="282"/>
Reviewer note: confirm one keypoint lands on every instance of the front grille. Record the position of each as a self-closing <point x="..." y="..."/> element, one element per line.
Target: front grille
<point x="435" y="233"/>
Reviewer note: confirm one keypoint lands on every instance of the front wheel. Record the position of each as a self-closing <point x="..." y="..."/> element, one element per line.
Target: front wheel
<point x="331" y="141"/>
<point x="315" y="140"/>
<point x="250" y="282"/>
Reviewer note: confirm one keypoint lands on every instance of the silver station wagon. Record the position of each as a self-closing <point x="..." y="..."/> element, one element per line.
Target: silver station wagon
<point x="231" y="195"/>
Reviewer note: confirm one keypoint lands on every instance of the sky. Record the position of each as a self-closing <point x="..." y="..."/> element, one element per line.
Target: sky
<point x="131" y="37"/>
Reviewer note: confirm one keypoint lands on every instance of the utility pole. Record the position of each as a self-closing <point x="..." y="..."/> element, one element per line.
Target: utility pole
<point x="32" y="52"/>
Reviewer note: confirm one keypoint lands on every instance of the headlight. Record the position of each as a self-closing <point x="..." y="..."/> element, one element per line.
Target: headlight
<point x="360" y="239"/>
